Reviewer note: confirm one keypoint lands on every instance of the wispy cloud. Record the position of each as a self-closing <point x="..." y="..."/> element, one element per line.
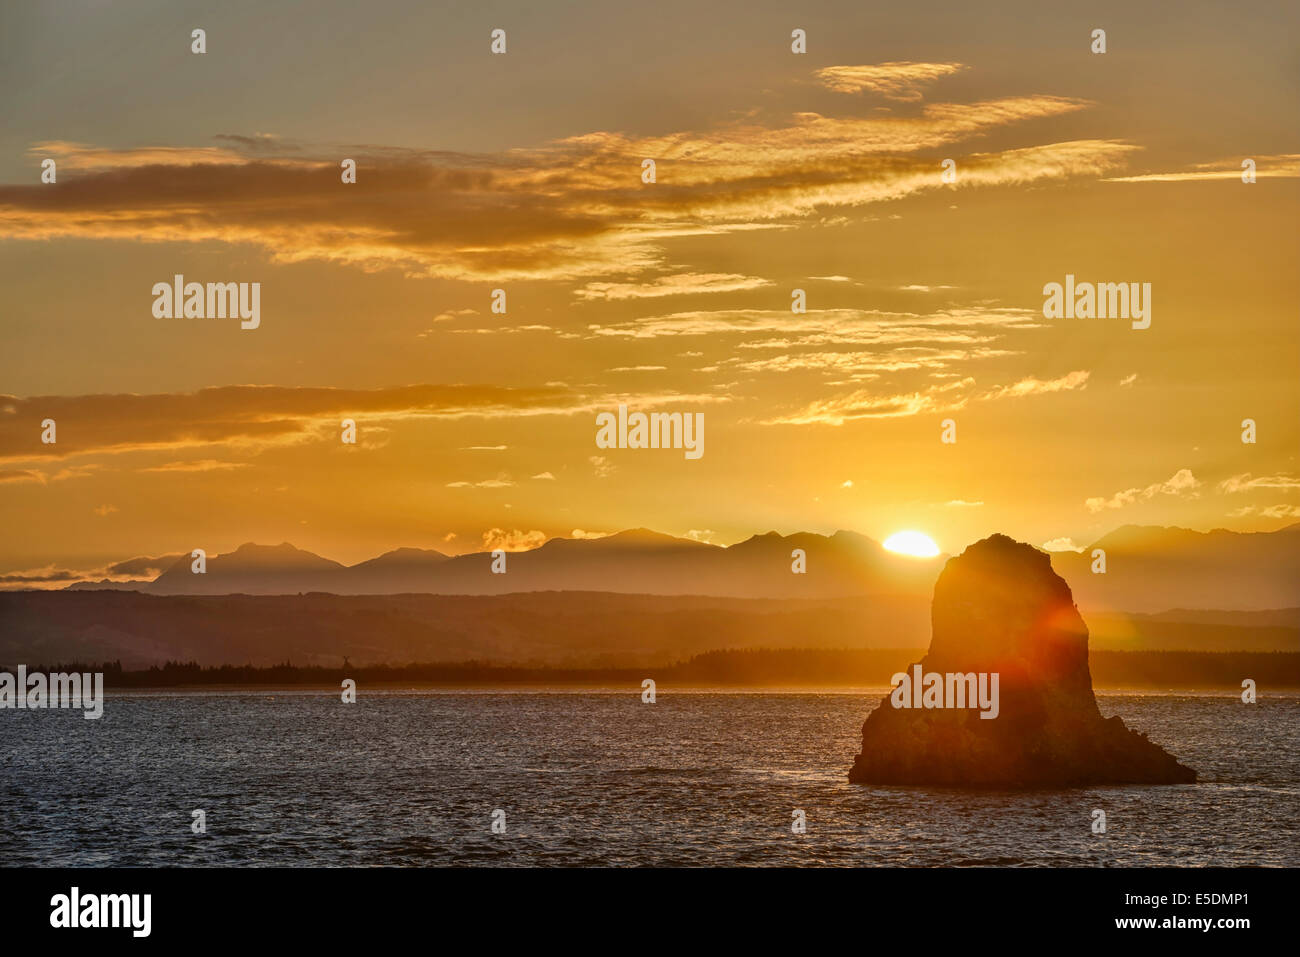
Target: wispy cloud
<point x="823" y="326"/>
<point x="948" y="396"/>
<point x="199" y="465"/>
<point x="1031" y="386"/>
<point x="864" y="404"/>
<point x="681" y="284"/>
<point x="53" y="576"/>
<point x="501" y="481"/>
<point x="1182" y="482"/>
<point x="1245" y="483"/>
<point x="249" y="419"/>
<point x="1280" y="166"/>
<point x="1270" y="511"/>
<point x="896" y="81"/>
<point x="572" y="209"/>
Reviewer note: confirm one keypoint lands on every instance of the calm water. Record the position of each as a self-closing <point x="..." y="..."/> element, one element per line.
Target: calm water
<point x="412" y="778"/>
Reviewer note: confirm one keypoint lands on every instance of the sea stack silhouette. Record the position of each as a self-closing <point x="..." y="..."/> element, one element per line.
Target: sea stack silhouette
<point x="1000" y="608"/>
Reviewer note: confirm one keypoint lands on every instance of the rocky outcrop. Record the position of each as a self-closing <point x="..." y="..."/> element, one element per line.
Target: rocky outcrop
<point x="999" y="609"/>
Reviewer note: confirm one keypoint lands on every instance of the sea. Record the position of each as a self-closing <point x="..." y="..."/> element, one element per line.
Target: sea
<point x="600" y="778"/>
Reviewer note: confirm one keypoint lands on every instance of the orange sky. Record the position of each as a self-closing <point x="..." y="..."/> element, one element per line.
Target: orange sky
<point x="775" y="171"/>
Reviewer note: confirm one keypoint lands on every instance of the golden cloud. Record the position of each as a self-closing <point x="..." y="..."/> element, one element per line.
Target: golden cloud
<point x="945" y="397"/>
<point x="572" y="209"/>
<point x="896" y="81"/>
<point x="253" y="417"/>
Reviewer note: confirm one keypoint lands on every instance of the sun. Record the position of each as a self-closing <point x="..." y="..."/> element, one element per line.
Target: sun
<point x="916" y="544"/>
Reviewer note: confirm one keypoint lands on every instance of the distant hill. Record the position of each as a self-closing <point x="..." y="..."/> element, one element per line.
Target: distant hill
<point x="637" y="561"/>
<point x="552" y="628"/>
<point x="1149" y="570"/>
<point x="1153" y="569"/>
<point x="252" y="569"/>
<point x="561" y="629"/>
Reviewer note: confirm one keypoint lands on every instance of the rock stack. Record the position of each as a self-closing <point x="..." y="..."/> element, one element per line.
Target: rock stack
<point x="1000" y="609"/>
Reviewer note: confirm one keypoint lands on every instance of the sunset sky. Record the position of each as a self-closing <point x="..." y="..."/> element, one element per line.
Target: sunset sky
<point x="522" y="171"/>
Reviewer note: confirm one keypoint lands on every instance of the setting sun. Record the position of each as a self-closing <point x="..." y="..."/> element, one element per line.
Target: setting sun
<point x="916" y="544"/>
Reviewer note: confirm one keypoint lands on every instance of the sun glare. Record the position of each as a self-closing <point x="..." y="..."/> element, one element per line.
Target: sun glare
<point x="916" y="544"/>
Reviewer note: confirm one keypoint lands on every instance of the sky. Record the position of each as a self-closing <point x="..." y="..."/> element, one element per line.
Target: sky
<point x="522" y="171"/>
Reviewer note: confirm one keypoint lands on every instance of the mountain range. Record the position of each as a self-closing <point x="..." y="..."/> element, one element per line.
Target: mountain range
<point x="637" y="561"/>
<point x="1148" y="570"/>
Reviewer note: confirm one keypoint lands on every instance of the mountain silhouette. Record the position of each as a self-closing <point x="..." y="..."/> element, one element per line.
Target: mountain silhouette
<point x="999" y="610"/>
<point x="637" y="561"/>
<point x="250" y="569"/>
<point x="1149" y="570"/>
<point x="1153" y="569"/>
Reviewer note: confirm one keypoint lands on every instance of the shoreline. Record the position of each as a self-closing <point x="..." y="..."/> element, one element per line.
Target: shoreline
<point x="606" y="687"/>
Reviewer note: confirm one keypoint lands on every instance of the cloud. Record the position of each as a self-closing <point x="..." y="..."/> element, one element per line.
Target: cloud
<point x="52" y="576"/>
<point x="895" y="81"/>
<point x="704" y="535"/>
<point x="1272" y="511"/>
<point x="579" y="533"/>
<point x="1244" y="483"/>
<point x="1032" y="386"/>
<point x="864" y="404"/>
<point x="501" y="481"/>
<point x="143" y="567"/>
<point x="1128" y="380"/>
<point x="1180" y="483"/>
<point x="249" y="419"/>
<point x="48" y="576"/>
<point x="865" y="365"/>
<point x="678" y="285"/>
<point x="14" y="476"/>
<point x="603" y="467"/>
<point x="826" y="326"/>
<point x="449" y="316"/>
<point x="572" y="209"/>
<point x="512" y="541"/>
<point x="1279" y="166"/>
<point x="950" y="396"/>
<point x="82" y="157"/>
<point x="199" y="465"/>
<point x="104" y="510"/>
<point x="1062" y="545"/>
<point x="44" y="477"/>
<point x="545" y="476"/>
<point x="962" y="503"/>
